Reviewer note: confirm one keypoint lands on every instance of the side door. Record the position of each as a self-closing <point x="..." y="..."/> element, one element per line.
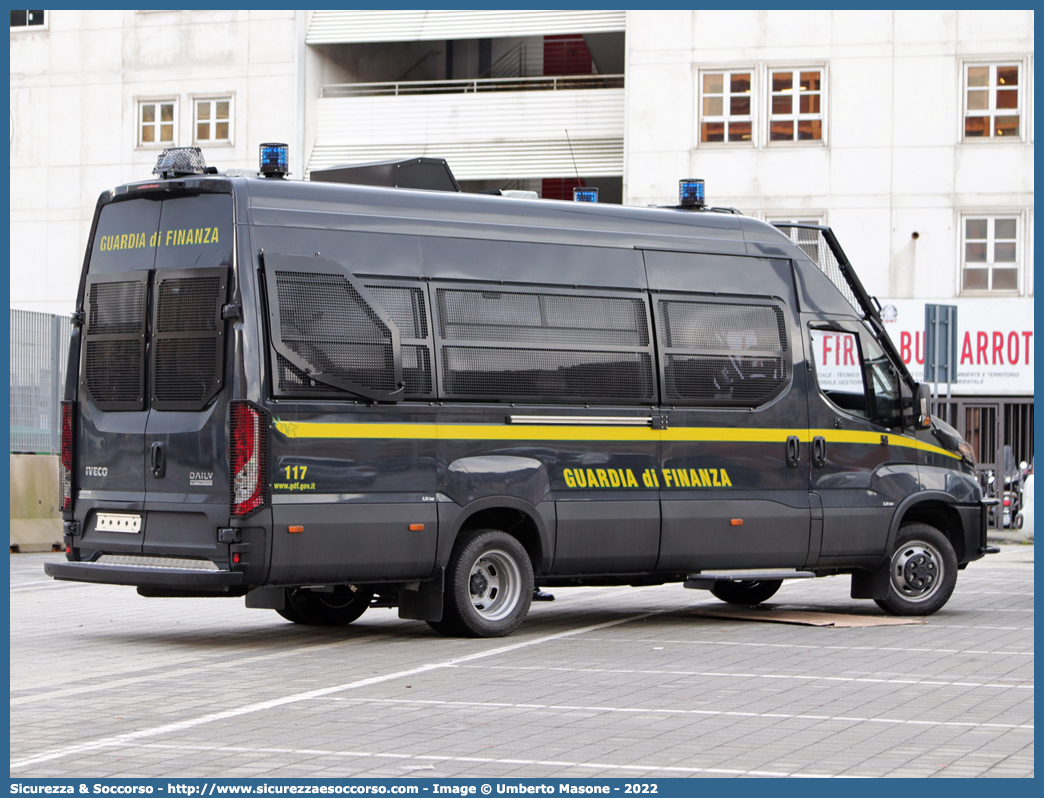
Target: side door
<point x="574" y="371"/>
<point x="734" y="471"/>
<point x="862" y="465"/>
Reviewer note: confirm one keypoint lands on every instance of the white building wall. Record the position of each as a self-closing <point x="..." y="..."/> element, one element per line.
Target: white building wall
<point x="74" y="93"/>
<point x="891" y="163"/>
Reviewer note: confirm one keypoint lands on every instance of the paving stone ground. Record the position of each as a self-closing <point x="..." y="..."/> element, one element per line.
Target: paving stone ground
<point x="617" y="682"/>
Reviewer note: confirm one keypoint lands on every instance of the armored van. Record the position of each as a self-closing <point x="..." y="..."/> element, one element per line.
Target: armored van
<point x="322" y="396"/>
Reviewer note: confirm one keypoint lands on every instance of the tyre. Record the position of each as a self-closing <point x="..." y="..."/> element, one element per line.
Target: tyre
<point x="922" y="572"/>
<point x="752" y="592"/>
<point x="489" y="585"/>
<point x="339" y="608"/>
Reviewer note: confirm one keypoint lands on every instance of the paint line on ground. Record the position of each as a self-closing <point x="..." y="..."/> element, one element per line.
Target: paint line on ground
<point x="811" y="647"/>
<point x="312" y="752"/>
<point x="722" y="674"/>
<point x="309" y="695"/>
<point x="680" y="712"/>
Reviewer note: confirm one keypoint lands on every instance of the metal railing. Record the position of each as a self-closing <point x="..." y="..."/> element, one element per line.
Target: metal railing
<point x="471" y="86"/>
<point x="39" y="353"/>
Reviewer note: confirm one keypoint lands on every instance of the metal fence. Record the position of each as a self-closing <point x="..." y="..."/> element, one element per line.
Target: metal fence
<point x="39" y="353"/>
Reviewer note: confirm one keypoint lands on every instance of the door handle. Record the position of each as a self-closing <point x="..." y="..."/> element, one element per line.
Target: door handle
<point x="793" y="451"/>
<point x="159" y="461"/>
<point x="819" y="451"/>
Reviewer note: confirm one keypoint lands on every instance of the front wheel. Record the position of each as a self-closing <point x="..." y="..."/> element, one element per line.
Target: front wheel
<point x="746" y="592"/>
<point x="922" y="572"/>
<point x="489" y="585"/>
<point x="338" y="608"/>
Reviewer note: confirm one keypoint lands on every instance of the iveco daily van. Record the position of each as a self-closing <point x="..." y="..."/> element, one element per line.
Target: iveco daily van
<point x="320" y="395"/>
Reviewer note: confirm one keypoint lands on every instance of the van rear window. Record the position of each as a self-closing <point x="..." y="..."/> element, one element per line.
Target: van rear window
<point x="176" y="233"/>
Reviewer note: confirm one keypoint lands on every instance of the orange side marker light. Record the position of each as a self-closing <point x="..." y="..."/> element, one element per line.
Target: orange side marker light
<point x="736" y="522"/>
<point x="416" y="527"/>
<point x="293" y="530"/>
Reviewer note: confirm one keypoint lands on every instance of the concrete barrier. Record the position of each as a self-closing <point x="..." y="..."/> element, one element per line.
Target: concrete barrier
<point x="36" y="524"/>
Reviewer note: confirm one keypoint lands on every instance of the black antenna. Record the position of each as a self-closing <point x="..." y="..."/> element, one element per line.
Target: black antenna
<point x="578" y="179"/>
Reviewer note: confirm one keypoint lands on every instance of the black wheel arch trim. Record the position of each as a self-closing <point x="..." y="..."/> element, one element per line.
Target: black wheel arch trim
<point x="909" y="503"/>
<point x="450" y="532"/>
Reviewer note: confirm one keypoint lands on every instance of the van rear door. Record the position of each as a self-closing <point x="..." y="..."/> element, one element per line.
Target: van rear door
<point x="110" y="445"/>
<point x="186" y="435"/>
<point x="151" y="373"/>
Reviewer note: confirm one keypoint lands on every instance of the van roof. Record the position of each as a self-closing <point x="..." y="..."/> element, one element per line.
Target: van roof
<point x="298" y="203"/>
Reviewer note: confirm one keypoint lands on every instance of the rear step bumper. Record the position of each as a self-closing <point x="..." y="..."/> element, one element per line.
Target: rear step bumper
<point x="149" y="577"/>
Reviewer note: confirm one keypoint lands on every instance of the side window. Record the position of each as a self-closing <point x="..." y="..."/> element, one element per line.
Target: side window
<point x="882" y="383"/>
<point x="718" y="353"/>
<point x="523" y="345"/>
<point x="839" y="371"/>
<point x="855" y="375"/>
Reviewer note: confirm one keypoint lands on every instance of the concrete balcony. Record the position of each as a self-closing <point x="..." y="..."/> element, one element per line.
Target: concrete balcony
<point x="494" y="129"/>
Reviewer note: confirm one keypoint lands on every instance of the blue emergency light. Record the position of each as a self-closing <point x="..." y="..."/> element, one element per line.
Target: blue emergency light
<point x="690" y="193"/>
<point x="585" y="194"/>
<point x="275" y="160"/>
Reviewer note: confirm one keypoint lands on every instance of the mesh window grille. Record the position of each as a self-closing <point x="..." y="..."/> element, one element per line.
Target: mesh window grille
<point x="531" y="374"/>
<point x="186" y="369"/>
<point x="814" y="244"/>
<point x="334" y="332"/>
<point x="329" y="324"/>
<point x="187" y="304"/>
<point x="114" y="342"/>
<point x="514" y="345"/>
<point x="114" y="372"/>
<point x="542" y="318"/>
<point x="188" y="340"/>
<point x="116" y="308"/>
<point x="722" y="353"/>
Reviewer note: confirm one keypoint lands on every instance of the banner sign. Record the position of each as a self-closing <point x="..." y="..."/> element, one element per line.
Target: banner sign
<point x="994" y="342"/>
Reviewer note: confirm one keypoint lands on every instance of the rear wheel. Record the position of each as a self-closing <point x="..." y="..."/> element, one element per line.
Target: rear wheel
<point x="922" y="572"/>
<point x="746" y="592"/>
<point x="339" y="608"/>
<point x="489" y="585"/>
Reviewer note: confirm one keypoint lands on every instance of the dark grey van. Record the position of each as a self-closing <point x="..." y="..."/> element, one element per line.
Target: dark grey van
<point x="321" y="396"/>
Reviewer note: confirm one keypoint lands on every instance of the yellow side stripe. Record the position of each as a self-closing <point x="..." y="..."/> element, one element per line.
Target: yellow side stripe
<point x="491" y="432"/>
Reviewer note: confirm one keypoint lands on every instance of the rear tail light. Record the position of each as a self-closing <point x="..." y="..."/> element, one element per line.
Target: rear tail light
<point x="65" y="477"/>
<point x="248" y="450"/>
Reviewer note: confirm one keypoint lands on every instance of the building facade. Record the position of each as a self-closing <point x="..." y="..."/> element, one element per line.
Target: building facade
<point x="908" y="132"/>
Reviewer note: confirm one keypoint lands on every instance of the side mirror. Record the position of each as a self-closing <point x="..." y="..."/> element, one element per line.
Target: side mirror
<point x="918" y="415"/>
